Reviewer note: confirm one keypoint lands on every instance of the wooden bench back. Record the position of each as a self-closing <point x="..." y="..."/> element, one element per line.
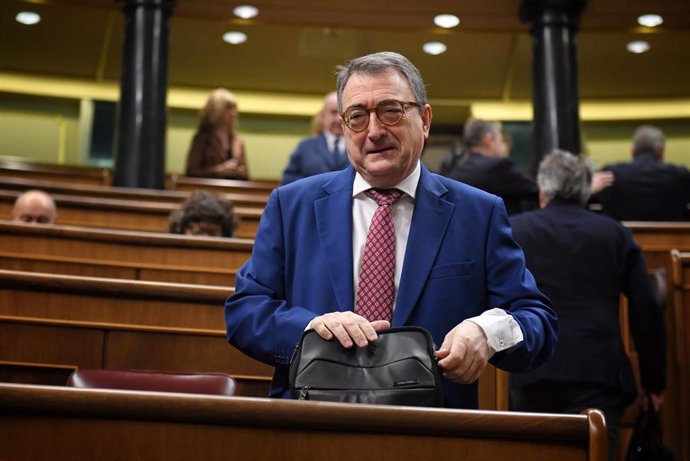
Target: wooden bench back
<point x="125" y="214"/>
<point x="179" y="427"/>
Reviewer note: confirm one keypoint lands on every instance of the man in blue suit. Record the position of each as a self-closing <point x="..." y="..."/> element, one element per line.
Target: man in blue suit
<point x="323" y="152"/>
<point x="458" y="271"/>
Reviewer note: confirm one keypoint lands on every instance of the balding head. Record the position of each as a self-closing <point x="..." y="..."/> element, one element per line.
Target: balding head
<point x="34" y="206"/>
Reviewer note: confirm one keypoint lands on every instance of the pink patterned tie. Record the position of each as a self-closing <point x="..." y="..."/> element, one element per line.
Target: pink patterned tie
<point x="377" y="270"/>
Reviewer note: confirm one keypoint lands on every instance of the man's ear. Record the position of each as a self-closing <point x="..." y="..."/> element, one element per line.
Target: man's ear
<point x="427" y="115"/>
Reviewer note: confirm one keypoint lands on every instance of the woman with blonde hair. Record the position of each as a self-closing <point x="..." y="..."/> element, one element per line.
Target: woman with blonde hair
<point x="217" y="151"/>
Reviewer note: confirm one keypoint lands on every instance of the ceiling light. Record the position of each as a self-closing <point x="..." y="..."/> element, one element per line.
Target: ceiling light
<point x="446" y="21"/>
<point x="234" y="38"/>
<point x="245" y="11"/>
<point x="650" y="20"/>
<point x="28" y="18"/>
<point x="638" y="46"/>
<point x="434" y="48"/>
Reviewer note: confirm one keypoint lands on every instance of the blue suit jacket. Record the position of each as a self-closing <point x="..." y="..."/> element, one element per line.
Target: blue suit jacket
<point x="312" y="157"/>
<point x="461" y="259"/>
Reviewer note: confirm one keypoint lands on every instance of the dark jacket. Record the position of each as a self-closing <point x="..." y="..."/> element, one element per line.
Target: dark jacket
<point x="497" y="175"/>
<point x="647" y="190"/>
<point x="583" y="262"/>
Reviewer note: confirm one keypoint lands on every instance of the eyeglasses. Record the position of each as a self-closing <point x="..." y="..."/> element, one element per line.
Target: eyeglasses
<point x="388" y="112"/>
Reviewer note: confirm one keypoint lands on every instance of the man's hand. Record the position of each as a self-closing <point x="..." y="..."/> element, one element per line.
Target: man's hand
<point x="347" y="327"/>
<point x="464" y="354"/>
<point x="600" y="181"/>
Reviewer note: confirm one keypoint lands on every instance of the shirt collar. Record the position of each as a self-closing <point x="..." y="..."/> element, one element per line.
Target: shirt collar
<point x="407" y="185"/>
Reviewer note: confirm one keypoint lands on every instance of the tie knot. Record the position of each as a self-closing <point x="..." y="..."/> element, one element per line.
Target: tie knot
<point x="384" y="196"/>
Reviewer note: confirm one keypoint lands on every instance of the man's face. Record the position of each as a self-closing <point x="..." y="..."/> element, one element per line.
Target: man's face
<point x="498" y="144"/>
<point x="385" y="155"/>
<point x="331" y="119"/>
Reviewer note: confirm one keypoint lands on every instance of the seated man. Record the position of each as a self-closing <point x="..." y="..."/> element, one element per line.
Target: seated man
<point x="34" y="207"/>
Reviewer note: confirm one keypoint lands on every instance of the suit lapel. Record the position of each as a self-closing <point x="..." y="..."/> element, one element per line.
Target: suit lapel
<point x="429" y="223"/>
<point x="331" y="212"/>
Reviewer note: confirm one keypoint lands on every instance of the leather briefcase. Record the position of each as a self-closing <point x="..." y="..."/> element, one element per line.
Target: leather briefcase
<point x="398" y="369"/>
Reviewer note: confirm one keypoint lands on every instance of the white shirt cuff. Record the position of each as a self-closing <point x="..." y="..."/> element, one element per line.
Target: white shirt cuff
<point x="500" y="328"/>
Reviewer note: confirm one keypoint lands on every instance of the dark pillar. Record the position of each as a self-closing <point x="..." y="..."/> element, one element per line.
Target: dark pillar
<point x="555" y="84"/>
<point x="140" y="157"/>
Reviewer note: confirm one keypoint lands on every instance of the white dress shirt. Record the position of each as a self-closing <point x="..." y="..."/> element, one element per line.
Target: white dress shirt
<point x="502" y="331"/>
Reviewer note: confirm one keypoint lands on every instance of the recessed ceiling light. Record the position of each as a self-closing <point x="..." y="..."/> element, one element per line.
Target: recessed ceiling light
<point x="234" y="38"/>
<point x="638" y="46"/>
<point x="650" y="20"/>
<point x="245" y="11"/>
<point x="446" y="21"/>
<point x="28" y="18"/>
<point x="434" y="48"/>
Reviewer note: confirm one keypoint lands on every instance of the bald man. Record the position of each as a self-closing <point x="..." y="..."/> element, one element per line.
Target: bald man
<point x="34" y="207"/>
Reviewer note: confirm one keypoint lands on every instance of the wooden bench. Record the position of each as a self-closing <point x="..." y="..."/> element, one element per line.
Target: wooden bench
<point x="43" y="422"/>
<point x="59" y="320"/>
<point x="679" y="342"/>
<point x="238" y="198"/>
<point x="110" y="213"/>
<point x="45" y="351"/>
<point x="67" y="265"/>
<point x="124" y="246"/>
<point x="257" y="188"/>
<point x="72" y="174"/>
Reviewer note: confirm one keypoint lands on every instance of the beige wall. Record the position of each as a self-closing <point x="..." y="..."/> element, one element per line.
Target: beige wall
<point x="45" y="129"/>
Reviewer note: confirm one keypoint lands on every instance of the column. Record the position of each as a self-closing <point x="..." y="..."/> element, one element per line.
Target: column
<point x="555" y="96"/>
<point x="140" y="152"/>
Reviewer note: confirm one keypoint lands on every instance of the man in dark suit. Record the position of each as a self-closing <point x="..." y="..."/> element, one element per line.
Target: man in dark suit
<point x="584" y="261"/>
<point x="456" y="269"/>
<point x="484" y="163"/>
<point x="323" y="152"/>
<point x="647" y="189"/>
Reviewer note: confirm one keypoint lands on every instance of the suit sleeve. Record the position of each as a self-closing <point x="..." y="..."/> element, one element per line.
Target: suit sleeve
<point x="511" y="286"/>
<point x="258" y="319"/>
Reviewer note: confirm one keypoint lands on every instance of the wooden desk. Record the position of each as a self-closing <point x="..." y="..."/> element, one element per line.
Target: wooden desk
<point x="42" y="422"/>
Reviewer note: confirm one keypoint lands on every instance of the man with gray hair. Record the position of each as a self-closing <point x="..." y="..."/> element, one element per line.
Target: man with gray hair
<point x="647" y="189"/>
<point x="583" y="262"/>
<point x="384" y="243"/>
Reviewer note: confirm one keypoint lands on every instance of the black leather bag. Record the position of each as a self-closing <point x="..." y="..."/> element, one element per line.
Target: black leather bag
<point x="398" y="369"/>
<point x="646" y="442"/>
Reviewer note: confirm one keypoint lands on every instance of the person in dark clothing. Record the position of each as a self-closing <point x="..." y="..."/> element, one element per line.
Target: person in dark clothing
<point x="583" y="262"/>
<point x="647" y="189"/>
<point x="484" y="163"/>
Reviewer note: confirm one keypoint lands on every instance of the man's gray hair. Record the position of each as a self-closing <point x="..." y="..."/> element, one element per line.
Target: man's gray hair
<point x="377" y="63"/>
<point x="566" y="176"/>
<point x="475" y="129"/>
<point x="648" y="139"/>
